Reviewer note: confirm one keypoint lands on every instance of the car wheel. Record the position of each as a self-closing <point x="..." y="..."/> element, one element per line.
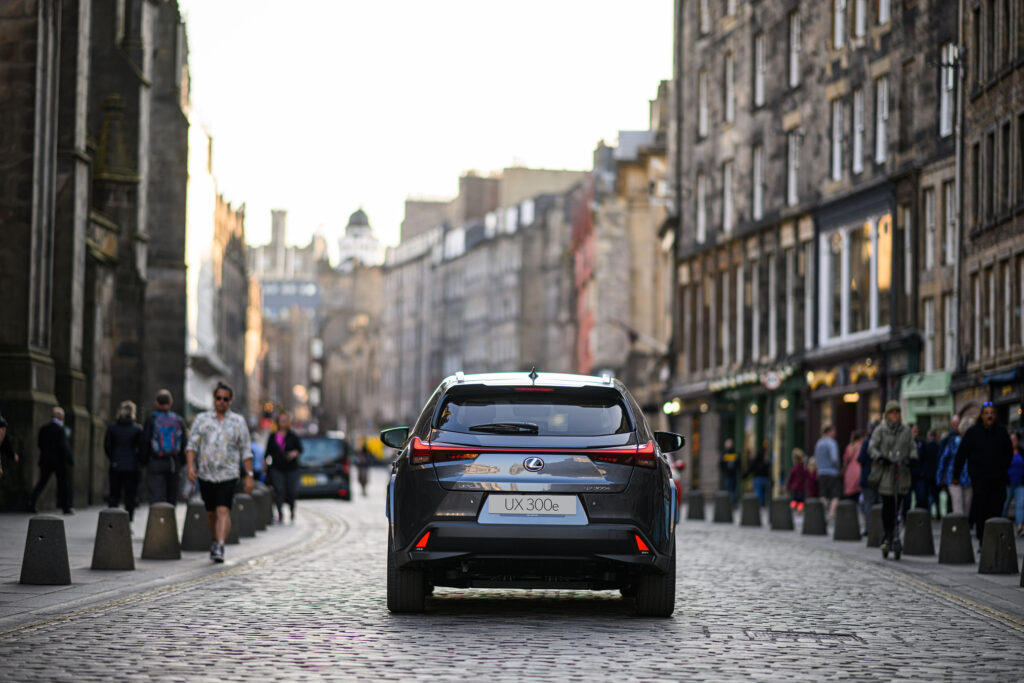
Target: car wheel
<point x="656" y="593"/>
<point x="405" y="588"/>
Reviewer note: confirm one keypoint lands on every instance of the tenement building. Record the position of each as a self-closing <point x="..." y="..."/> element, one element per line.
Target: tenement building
<point x="991" y="330"/>
<point x="811" y="153"/>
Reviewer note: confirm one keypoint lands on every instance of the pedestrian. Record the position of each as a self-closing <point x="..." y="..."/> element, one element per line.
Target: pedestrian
<point x="8" y="456"/>
<point x="812" y="489"/>
<point x="55" y="459"/>
<point x="729" y="466"/>
<point x="959" y="494"/>
<point x="868" y="493"/>
<point x="761" y="469"/>
<point x="987" y="452"/>
<point x="826" y="457"/>
<point x="217" y="448"/>
<point x="122" y="444"/>
<point x="851" y="468"/>
<point x="164" y="438"/>
<point x="892" y="450"/>
<point x="1015" y="488"/>
<point x="363" y="461"/>
<point x="796" y="481"/>
<point x="282" y="456"/>
<point x="926" y="489"/>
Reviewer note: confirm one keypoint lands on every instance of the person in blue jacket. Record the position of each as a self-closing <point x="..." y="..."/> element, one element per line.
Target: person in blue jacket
<point x="959" y="494"/>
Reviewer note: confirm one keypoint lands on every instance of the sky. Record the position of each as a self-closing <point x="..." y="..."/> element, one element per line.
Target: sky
<point x="321" y="107"/>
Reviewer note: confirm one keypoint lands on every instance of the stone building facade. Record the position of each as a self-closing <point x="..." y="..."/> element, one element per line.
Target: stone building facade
<point x="86" y="86"/>
<point x="991" y="331"/>
<point x="804" y="137"/>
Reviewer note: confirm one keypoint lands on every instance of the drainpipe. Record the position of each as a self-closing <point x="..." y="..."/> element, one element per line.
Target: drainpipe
<point x="959" y="185"/>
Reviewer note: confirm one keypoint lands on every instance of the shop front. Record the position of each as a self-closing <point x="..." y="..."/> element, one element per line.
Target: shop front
<point x="847" y="395"/>
<point x="926" y="400"/>
<point x="1006" y="391"/>
<point x="689" y="413"/>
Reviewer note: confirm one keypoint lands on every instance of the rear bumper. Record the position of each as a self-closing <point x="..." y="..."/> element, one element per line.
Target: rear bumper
<point x="605" y="545"/>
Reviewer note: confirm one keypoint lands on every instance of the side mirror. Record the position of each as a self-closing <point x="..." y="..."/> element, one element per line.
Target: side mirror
<point x="395" y="437"/>
<point x="669" y="442"/>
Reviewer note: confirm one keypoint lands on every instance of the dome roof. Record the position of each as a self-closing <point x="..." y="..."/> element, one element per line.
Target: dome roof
<point x="358" y="218"/>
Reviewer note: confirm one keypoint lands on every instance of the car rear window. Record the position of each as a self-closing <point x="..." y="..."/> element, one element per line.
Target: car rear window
<point x="534" y="410"/>
<point x="320" y="451"/>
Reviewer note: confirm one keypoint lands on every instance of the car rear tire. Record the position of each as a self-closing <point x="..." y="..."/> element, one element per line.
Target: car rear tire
<point x="656" y="593"/>
<point x="406" y="588"/>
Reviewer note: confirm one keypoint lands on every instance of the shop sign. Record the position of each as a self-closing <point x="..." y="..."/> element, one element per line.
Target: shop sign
<point x="771" y="380"/>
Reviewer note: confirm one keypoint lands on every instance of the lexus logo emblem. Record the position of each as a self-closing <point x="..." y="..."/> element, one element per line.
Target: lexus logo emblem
<point x="533" y="464"/>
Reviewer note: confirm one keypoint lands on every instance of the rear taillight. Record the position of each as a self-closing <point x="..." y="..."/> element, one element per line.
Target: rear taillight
<point x="421" y="453"/>
<point x="645" y="456"/>
<point x="642" y="456"/>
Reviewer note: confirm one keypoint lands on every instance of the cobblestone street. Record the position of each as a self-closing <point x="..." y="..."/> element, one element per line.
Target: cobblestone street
<point x="751" y="605"/>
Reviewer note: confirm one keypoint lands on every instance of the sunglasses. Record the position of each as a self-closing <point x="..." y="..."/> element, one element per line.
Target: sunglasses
<point x="221" y="398"/>
<point x="987" y="404"/>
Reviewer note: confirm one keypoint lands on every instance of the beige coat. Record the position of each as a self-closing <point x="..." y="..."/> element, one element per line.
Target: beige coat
<point x="895" y="443"/>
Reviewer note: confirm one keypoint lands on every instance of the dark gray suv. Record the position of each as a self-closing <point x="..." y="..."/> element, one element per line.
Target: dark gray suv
<point x="528" y="480"/>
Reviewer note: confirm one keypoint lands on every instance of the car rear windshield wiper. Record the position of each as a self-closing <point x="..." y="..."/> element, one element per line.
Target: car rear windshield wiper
<point x="506" y="428"/>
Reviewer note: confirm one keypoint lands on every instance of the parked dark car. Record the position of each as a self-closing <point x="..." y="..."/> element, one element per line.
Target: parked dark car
<point x="324" y="468"/>
<point x="531" y="481"/>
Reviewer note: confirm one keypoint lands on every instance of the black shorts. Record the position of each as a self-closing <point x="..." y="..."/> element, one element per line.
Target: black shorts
<point x="831" y="485"/>
<point x="217" y="493"/>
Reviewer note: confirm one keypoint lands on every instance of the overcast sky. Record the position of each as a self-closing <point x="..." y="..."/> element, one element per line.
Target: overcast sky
<point x="322" y="106"/>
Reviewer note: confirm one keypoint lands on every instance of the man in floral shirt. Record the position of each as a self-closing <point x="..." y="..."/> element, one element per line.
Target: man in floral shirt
<point x="218" y="445"/>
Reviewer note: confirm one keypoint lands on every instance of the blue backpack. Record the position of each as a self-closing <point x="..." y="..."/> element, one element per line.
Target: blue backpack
<point x="167" y="435"/>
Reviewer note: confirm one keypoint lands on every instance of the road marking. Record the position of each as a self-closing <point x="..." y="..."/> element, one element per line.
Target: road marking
<point x="329" y="527"/>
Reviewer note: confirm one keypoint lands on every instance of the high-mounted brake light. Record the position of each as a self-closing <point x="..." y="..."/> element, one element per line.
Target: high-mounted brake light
<point x="421" y="453"/>
<point x="422" y="543"/>
<point x="533" y="389"/>
<point x="640" y="545"/>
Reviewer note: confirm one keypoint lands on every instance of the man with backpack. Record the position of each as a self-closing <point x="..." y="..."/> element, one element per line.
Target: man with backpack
<point x="163" y="443"/>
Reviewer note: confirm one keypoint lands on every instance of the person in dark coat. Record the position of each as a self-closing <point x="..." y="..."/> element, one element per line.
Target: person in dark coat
<point x="122" y="445"/>
<point x="282" y="458"/>
<point x="54" y="459"/>
<point x="8" y="456"/>
<point x="927" y="491"/>
<point x="761" y="469"/>
<point x="868" y="493"/>
<point x="987" y="451"/>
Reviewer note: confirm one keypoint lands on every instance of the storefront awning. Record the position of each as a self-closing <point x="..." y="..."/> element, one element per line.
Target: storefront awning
<point x="926" y="385"/>
<point x="1002" y="377"/>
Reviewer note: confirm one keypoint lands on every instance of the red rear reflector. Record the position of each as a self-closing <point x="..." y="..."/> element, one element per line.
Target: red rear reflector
<point x="640" y="545"/>
<point x="426" y="537"/>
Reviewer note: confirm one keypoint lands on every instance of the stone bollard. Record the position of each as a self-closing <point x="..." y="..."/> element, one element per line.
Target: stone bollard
<point x="723" y="508"/>
<point x="781" y="515"/>
<point x="196" y="536"/>
<point x="876" y="532"/>
<point x="694" y="505"/>
<point x="257" y="503"/>
<point x="955" y="541"/>
<point x="112" y="548"/>
<point x="233" y="536"/>
<point x="161" y="542"/>
<point x="246" y="515"/>
<point x="267" y="509"/>
<point x="998" y="549"/>
<point x="45" y="562"/>
<point x="847" y="525"/>
<point x="917" y="534"/>
<point x="814" y="518"/>
<point x="750" y="510"/>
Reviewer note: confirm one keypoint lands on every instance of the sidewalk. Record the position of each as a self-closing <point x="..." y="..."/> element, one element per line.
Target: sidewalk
<point x="957" y="582"/>
<point x="24" y="604"/>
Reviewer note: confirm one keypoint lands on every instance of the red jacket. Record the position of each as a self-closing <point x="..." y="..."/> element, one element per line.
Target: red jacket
<point x="797" y="479"/>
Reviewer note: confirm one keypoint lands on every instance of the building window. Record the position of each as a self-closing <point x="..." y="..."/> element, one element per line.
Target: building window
<point x="702" y="103"/>
<point x="949" y="332"/>
<point x="1005" y="148"/>
<point x="949" y="224"/>
<point x="792" y="168"/>
<point x="908" y="249"/>
<point x="725" y="318"/>
<point x="794" y="49"/>
<point x="838" y="23"/>
<point x="884" y="270"/>
<point x="858" y="130"/>
<point x="773" y="324"/>
<point x="855" y="269"/>
<point x="860" y="18"/>
<point x="702" y="208"/>
<point x="1019" y="308"/>
<point x="808" y="257"/>
<point x="715" y="320"/>
<point x="990" y="176"/>
<point x="760" y="69"/>
<point x="976" y="299"/>
<point x="704" y="12"/>
<point x="755" y="311"/>
<point x="990" y="317"/>
<point x="881" y="117"/>
<point x="976" y="182"/>
<point x="837" y="139"/>
<point x="947" y="78"/>
<point x="978" y="52"/>
<point x="929" y="335"/>
<point x="742" y="300"/>
<point x="790" y="257"/>
<point x="1020" y="135"/>
<point x="727" y="208"/>
<point x="730" y="7"/>
<point x="929" y="228"/>
<point x="883" y="12"/>
<point x="1007" y="331"/>
<point x="730" y="87"/>
<point x="990" y="38"/>
<point x="757" y="202"/>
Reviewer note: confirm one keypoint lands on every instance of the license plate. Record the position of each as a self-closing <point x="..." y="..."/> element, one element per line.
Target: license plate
<point x="531" y="504"/>
<point x="313" y="479"/>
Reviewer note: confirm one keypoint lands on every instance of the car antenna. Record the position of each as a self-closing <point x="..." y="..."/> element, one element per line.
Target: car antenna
<point x="533" y="374"/>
